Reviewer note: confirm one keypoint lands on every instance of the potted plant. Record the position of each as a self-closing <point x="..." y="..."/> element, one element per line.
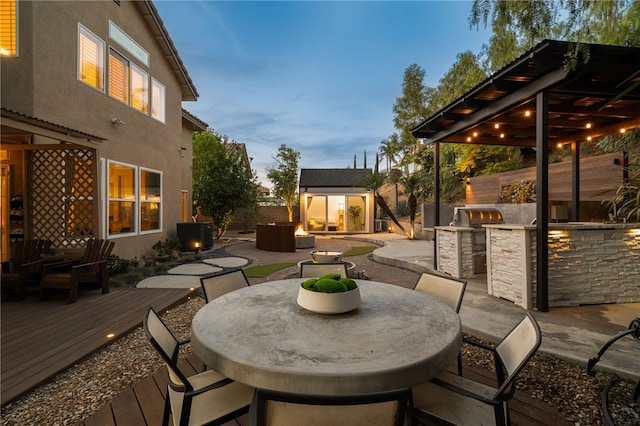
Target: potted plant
<point x="329" y="294"/>
<point x="166" y="249"/>
<point x="354" y="214"/>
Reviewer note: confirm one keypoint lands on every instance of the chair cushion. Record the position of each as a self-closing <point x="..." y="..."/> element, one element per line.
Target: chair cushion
<point x="212" y="404"/>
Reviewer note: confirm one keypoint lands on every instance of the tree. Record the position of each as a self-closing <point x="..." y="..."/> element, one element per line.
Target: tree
<point x="410" y="109"/>
<point x="222" y="179"/>
<point x="414" y="185"/>
<point x="389" y="149"/>
<point x="373" y="183"/>
<point x="284" y="176"/>
<point x="519" y="25"/>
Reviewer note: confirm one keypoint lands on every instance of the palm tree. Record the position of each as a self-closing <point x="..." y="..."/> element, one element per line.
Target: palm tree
<point x="414" y="185"/>
<point x="390" y="149"/>
<point x="373" y="183"/>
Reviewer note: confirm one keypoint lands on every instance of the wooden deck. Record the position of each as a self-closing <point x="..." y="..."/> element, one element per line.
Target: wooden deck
<point x="41" y="338"/>
<point x="143" y="404"/>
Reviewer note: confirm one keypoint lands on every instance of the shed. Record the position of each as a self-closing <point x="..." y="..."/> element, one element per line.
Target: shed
<point x="333" y="201"/>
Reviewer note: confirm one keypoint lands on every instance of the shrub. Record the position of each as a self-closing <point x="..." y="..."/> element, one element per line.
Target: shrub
<point x="402" y="209"/>
<point x="117" y="265"/>
<point x="518" y="193"/>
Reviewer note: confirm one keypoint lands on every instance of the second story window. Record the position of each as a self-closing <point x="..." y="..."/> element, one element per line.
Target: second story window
<point x="139" y="89"/>
<point x="157" y="100"/>
<point x="90" y="58"/>
<point x="8" y="28"/>
<point x="118" y="77"/>
<point x="127" y="80"/>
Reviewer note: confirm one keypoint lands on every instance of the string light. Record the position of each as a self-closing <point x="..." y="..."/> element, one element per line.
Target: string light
<point x="623" y="130"/>
<point x="527" y="113"/>
<point x="588" y="126"/>
<point x="497" y="125"/>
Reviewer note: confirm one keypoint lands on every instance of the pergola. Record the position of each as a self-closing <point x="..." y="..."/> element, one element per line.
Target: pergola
<point x="542" y="99"/>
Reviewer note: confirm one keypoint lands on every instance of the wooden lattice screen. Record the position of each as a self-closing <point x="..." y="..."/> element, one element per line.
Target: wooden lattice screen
<point x="63" y="204"/>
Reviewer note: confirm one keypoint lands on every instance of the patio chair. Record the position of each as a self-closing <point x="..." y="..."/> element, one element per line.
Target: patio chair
<point x="314" y="270"/>
<point x="283" y="409"/>
<point x="25" y="267"/>
<point x="215" y="286"/>
<point x="451" y="399"/>
<point x="447" y="290"/>
<point x="204" y="398"/>
<point x="90" y="269"/>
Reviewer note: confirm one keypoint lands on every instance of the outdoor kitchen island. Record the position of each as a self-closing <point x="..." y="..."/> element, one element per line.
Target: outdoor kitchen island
<point x="589" y="263"/>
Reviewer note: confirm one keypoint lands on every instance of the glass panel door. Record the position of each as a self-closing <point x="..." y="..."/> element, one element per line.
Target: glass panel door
<point x="356" y="213"/>
<point x="317" y="213"/>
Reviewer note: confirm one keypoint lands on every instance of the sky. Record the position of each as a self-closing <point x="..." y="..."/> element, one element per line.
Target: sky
<point x="320" y="77"/>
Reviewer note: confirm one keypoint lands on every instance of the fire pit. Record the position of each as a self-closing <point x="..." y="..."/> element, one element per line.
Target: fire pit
<point x="303" y="239"/>
<point x="276" y="236"/>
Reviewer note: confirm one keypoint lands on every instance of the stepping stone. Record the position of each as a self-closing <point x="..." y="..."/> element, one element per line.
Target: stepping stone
<point x="194" y="269"/>
<point x="170" y="281"/>
<point x="227" y="262"/>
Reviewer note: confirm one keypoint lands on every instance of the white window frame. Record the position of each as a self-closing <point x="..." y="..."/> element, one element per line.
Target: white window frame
<point x="127" y="77"/>
<point x="158" y="112"/>
<point x="135" y="209"/>
<point x="146" y="94"/>
<point x="136" y="200"/>
<point x="14" y="36"/>
<point x="84" y="31"/>
<point x="159" y="201"/>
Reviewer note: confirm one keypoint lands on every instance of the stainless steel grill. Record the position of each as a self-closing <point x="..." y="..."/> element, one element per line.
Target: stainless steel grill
<point x="475" y="218"/>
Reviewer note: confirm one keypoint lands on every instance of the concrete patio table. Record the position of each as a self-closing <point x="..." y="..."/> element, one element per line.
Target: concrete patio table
<point x="259" y="336"/>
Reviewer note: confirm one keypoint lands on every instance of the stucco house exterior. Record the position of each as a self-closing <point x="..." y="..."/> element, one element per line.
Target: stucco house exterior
<point x="95" y="141"/>
<point x="332" y="201"/>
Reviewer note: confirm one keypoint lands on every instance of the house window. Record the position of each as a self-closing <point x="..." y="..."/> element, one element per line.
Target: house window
<point x="8" y="28"/>
<point x="139" y="89"/>
<point x="122" y="198"/>
<point x="90" y="58"/>
<point x="118" y="77"/>
<point x="157" y="100"/>
<point x="134" y="192"/>
<point x="150" y="200"/>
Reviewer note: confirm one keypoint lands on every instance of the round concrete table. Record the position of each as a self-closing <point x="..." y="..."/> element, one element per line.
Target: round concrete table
<point x="259" y="336"/>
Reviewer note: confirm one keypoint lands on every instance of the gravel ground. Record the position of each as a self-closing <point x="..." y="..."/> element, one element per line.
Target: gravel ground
<point x="75" y="394"/>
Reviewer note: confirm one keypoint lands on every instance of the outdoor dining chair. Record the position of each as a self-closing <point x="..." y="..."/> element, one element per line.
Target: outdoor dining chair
<point x="289" y="409"/>
<point x="315" y="270"/>
<point x="447" y="290"/>
<point x="203" y="398"/>
<point x="451" y="399"/>
<point x="214" y="286"/>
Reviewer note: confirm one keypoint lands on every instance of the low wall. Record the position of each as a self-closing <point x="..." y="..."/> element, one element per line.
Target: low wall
<point x="454" y="251"/>
<point x="589" y="263"/>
